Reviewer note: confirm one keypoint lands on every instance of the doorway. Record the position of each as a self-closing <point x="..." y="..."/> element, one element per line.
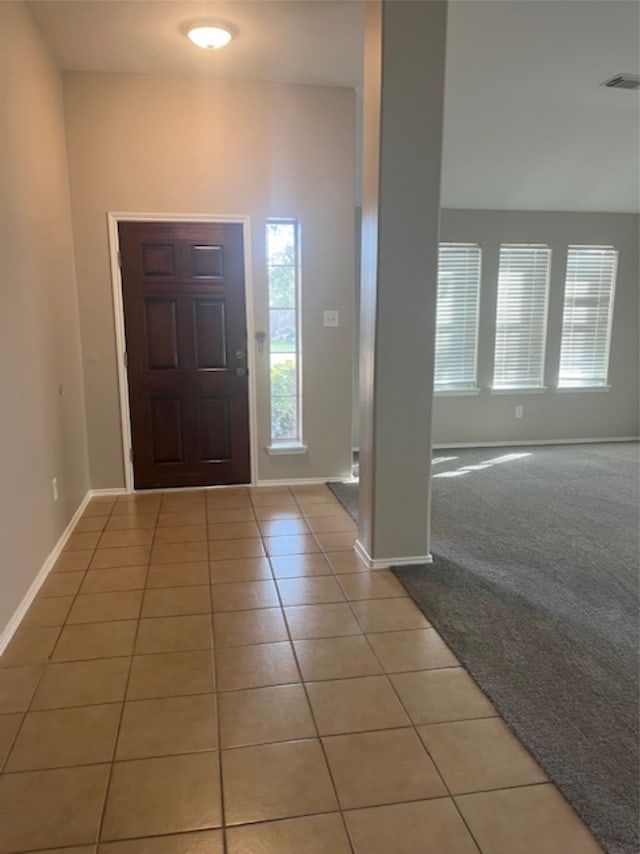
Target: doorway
<point x="185" y="338"/>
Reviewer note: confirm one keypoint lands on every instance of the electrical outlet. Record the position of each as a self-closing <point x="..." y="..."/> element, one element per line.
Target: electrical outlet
<point x="54" y="488"/>
<point x="519" y="411"/>
<point x="331" y="318"/>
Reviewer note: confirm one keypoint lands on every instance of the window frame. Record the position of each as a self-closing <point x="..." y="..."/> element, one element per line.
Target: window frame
<point x="471" y="387"/>
<point x="523" y="386"/>
<point x="591" y="383"/>
<point x="289" y="445"/>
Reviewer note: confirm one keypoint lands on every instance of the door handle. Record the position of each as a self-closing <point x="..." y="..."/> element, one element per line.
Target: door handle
<point x="241" y="372"/>
<point x="240" y="354"/>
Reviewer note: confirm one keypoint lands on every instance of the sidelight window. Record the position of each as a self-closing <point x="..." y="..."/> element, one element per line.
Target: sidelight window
<point x="283" y="274"/>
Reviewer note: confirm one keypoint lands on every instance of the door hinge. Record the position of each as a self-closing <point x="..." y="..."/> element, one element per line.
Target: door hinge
<point x="119" y="259"/>
<point x="130" y="455"/>
<point x="126" y="359"/>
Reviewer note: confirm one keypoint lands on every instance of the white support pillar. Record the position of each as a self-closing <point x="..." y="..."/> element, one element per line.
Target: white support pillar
<point x="402" y="145"/>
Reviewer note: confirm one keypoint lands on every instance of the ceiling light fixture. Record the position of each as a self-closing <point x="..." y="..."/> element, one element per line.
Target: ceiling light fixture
<point x="208" y="35"/>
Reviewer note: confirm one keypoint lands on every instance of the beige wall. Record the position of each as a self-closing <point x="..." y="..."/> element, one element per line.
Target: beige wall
<point x="196" y="145"/>
<point x="42" y="433"/>
<point x="552" y="414"/>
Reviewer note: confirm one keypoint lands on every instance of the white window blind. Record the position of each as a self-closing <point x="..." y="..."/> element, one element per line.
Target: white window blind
<point x="521" y="318"/>
<point x="586" y="320"/>
<point x="457" y="316"/>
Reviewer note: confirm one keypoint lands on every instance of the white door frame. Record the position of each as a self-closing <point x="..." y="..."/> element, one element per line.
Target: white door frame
<point x="113" y="218"/>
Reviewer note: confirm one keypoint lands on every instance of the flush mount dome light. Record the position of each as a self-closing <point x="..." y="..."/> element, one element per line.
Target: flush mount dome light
<point x="208" y="35"/>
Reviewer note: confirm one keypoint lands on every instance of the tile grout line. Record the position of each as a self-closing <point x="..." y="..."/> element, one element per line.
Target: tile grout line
<point x="214" y="665"/>
<point x="414" y="728"/>
<point x="107" y="791"/>
<point x="315" y="722"/>
<point x="233" y="691"/>
<point x="412" y="725"/>
<point x="73" y="602"/>
<point x="65" y="623"/>
<point x="301" y="683"/>
<point x="395" y="728"/>
<point x="170" y="614"/>
<point x="43" y="664"/>
<point x="408" y="716"/>
<point x="12" y="743"/>
<point x="417" y="734"/>
<point x="46" y="664"/>
<point x="281" y="609"/>
<point x="235" y="747"/>
<point x="232" y="646"/>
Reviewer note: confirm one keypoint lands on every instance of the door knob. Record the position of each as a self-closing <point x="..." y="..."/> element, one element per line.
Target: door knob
<point x="241" y="372"/>
<point x="240" y="354"/>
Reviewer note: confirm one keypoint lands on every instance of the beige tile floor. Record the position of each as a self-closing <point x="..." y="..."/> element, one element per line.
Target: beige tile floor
<point x="216" y="671"/>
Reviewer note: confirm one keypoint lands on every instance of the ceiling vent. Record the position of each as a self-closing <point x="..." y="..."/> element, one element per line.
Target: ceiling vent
<point x="623" y="81"/>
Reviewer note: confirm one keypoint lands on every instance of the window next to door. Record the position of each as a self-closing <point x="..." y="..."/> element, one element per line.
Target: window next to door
<point x="285" y="380"/>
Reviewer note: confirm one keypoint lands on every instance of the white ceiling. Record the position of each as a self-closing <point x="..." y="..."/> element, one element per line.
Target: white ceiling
<point x="527" y="125"/>
<point x="287" y="41"/>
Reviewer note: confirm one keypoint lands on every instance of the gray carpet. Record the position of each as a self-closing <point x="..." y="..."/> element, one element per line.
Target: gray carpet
<point x="534" y="586"/>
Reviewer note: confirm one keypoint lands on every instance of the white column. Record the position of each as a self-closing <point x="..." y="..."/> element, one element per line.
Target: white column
<point x="402" y="145"/>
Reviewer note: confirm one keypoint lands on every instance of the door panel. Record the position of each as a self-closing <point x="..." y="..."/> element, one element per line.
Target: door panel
<point x="206" y="262"/>
<point x="209" y="320"/>
<point x="158" y="259"/>
<point x="185" y="329"/>
<point x="162" y="334"/>
<point x="214" y="428"/>
<point x="166" y="430"/>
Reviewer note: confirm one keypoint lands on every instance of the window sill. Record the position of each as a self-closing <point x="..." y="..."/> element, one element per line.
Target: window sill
<point x="284" y="449"/>
<point x="456" y="392"/>
<point x="526" y="390"/>
<point x="570" y="388"/>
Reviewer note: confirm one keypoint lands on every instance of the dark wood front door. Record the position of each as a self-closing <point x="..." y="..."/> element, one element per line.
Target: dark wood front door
<point x="186" y="339"/>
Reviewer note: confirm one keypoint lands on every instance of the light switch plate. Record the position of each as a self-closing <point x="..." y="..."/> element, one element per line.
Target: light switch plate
<point x="331" y="318"/>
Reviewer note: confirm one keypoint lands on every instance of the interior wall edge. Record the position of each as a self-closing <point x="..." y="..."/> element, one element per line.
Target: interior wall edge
<point x="18" y="615"/>
<point x="44" y="470"/>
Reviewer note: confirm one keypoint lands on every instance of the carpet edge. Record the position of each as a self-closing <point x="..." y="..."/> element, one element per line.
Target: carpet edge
<point x="505" y="715"/>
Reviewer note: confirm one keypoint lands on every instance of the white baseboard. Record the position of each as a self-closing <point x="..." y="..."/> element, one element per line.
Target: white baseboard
<point x="385" y="563"/>
<point x="10" y="629"/>
<point x="303" y="481"/>
<point x="521" y="443"/>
